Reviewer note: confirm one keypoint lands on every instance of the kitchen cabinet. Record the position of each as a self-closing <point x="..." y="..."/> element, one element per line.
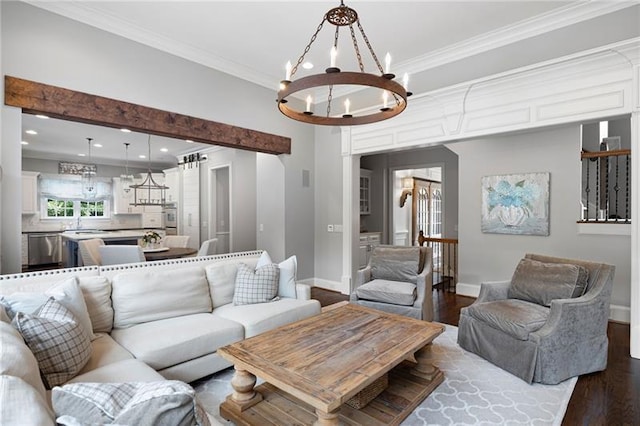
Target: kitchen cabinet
<point x="368" y="241"/>
<point x="190" y="206"/>
<point x="152" y="217"/>
<point x="172" y="180"/>
<point x="122" y="200"/>
<point x="365" y="191"/>
<point x="24" y="255"/>
<point x="30" y="192"/>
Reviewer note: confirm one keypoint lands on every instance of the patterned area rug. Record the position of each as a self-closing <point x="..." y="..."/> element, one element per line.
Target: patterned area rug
<point x="474" y="392"/>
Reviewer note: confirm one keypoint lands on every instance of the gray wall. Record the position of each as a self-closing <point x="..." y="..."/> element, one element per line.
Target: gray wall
<point x="487" y="257"/>
<point x="44" y="47"/>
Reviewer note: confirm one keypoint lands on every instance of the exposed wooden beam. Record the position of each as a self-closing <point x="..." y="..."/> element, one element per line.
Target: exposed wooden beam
<point x="66" y="104"/>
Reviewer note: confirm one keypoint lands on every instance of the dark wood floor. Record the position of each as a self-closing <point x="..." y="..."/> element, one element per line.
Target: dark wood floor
<point x="610" y="397"/>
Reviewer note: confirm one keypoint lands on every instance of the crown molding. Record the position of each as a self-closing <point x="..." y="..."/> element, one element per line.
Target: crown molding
<point x="570" y="14"/>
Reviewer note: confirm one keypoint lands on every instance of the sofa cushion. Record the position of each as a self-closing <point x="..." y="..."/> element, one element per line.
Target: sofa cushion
<point x="287" y="278"/>
<point x="516" y="318"/>
<point x="540" y="282"/>
<point x="258" y="285"/>
<point x="222" y="279"/>
<point x="259" y="318"/>
<point x="395" y="263"/>
<point x="151" y="403"/>
<point x="171" y="341"/>
<point x="66" y="292"/>
<point x="17" y="360"/>
<point x="16" y="396"/>
<point x="97" y="296"/>
<point x="56" y="339"/>
<point x="144" y="296"/>
<point x="386" y="291"/>
<point x="129" y="370"/>
<point x="104" y="351"/>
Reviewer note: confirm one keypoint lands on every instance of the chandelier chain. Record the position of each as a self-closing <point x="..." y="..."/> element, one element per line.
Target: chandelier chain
<point x="373" y="54"/>
<point x="306" y="49"/>
<point x="329" y="99"/>
<point x="355" y="45"/>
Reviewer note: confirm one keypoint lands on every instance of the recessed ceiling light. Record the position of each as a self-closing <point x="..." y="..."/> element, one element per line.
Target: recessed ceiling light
<point x="31" y="132"/>
<point x="24" y="143"/>
<point x="125" y="130"/>
<point x="81" y="155"/>
<point x="307" y="65"/>
<point x="142" y="156"/>
<point x="44" y="117"/>
<point x="189" y="140"/>
<point x="164" y="150"/>
<point x="97" y="145"/>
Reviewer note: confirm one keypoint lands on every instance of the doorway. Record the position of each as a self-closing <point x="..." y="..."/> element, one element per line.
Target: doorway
<point x="220" y="208"/>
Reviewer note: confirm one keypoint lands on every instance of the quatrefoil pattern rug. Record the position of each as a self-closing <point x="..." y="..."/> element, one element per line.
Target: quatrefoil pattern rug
<point x="474" y="392"/>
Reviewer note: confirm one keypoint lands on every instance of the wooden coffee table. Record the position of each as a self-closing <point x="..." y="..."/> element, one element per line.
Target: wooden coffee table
<point x="312" y="367"/>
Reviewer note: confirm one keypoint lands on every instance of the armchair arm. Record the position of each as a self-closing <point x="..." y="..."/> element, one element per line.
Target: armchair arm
<point x="493" y="290"/>
<point x="363" y="276"/>
<point x="303" y="291"/>
<point x="424" y="286"/>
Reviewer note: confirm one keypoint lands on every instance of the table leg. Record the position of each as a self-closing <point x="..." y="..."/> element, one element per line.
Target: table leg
<point x="244" y="395"/>
<point x="327" y="419"/>
<point x="424" y="368"/>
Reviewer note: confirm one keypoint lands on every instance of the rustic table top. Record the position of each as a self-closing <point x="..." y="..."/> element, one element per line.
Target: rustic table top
<point x="327" y="359"/>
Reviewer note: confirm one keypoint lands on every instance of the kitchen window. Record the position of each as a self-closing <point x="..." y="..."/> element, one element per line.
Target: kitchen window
<point x="69" y="208"/>
<point x="62" y="198"/>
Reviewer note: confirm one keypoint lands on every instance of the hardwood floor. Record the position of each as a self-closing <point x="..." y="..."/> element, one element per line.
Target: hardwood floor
<point x="610" y="397"/>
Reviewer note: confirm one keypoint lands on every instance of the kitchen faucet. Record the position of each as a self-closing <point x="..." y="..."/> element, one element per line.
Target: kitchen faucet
<point x="78" y="223"/>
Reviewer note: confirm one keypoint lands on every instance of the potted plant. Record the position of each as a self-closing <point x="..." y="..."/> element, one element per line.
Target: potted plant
<point x="151" y="239"/>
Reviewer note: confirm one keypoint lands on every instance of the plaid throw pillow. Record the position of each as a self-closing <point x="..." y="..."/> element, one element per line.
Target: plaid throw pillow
<point x="257" y="286"/>
<point x="57" y="340"/>
<point x="169" y="402"/>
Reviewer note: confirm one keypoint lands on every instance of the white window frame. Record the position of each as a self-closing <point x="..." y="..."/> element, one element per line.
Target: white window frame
<point x="76" y="210"/>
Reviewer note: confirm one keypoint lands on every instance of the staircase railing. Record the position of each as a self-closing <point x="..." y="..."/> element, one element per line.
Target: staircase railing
<point x="445" y="261"/>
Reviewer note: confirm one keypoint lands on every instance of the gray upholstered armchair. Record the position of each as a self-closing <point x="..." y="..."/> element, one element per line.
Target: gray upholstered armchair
<point x="398" y="279"/>
<point x="545" y="325"/>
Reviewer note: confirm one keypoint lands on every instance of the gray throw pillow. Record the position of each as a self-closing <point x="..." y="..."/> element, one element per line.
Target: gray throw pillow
<point x="256" y="286"/>
<point x="57" y="340"/>
<point x="169" y="402"/>
<point x="540" y="282"/>
<point x="395" y="263"/>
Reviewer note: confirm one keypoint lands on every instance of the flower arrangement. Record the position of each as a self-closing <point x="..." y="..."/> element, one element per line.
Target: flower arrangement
<point x="508" y="195"/>
<point x="151" y="238"/>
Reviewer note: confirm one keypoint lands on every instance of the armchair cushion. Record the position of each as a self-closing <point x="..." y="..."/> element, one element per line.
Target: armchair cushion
<point x="387" y="291"/>
<point x="514" y="317"/>
<point x="395" y="263"/>
<point x="540" y="282"/>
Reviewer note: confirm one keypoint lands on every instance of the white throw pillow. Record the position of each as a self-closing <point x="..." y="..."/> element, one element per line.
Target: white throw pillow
<point x="57" y="340"/>
<point x="288" y="272"/>
<point x="67" y="292"/>
<point x="97" y="296"/>
<point x="255" y="286"/>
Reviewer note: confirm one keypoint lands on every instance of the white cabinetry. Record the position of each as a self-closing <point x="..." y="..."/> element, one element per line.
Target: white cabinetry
<point x="172" y="180"/>
<point x="365" y="191"/>
<point x="30" y="192"/>
<point x="122" y="200"/>
<point x="152" y="217"/>
<point x="367" y="242"/>
<point x="190" y="206"/>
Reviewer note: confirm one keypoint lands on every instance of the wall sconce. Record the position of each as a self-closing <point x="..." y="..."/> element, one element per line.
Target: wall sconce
<point x="407" y="189"/>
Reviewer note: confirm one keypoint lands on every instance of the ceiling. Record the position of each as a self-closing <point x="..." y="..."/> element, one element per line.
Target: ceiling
<point x="254" y="40"/>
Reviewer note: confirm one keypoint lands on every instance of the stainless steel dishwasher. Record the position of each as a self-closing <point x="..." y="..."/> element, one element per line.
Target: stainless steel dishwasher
<point x="44" y="249"/>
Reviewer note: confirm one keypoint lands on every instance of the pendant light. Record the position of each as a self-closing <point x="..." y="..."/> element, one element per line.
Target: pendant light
<point x="126" y="179"/>
<point x="149" y="192"/>
<point x="89" y="177"/>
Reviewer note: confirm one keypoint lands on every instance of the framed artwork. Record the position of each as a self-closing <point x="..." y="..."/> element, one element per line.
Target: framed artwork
<point x="516" y="204"/>
<point x="65" y="168"/>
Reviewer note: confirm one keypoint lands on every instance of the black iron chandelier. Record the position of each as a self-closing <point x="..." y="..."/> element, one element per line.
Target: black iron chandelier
<point x="393" y="95"/>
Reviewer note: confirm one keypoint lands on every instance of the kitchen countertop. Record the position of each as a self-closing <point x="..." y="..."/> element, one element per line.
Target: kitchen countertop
<point x="105" y="235"/>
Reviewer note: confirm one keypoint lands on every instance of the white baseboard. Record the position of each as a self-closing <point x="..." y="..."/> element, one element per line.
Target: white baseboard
<point x="326" y="284"/>
<point x="617" y="313"/>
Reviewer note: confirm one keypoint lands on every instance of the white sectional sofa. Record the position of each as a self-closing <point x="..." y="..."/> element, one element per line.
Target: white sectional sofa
<point x="150" y="321"/>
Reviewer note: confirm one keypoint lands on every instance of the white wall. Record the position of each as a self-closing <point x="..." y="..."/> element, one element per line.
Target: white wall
<point x="44" y="47"/>
<point x="486" y="257"/>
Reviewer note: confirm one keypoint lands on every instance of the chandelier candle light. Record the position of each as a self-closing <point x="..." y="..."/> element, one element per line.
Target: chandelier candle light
<point x="149" y="192"/>
<point x="343" y="16"/>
